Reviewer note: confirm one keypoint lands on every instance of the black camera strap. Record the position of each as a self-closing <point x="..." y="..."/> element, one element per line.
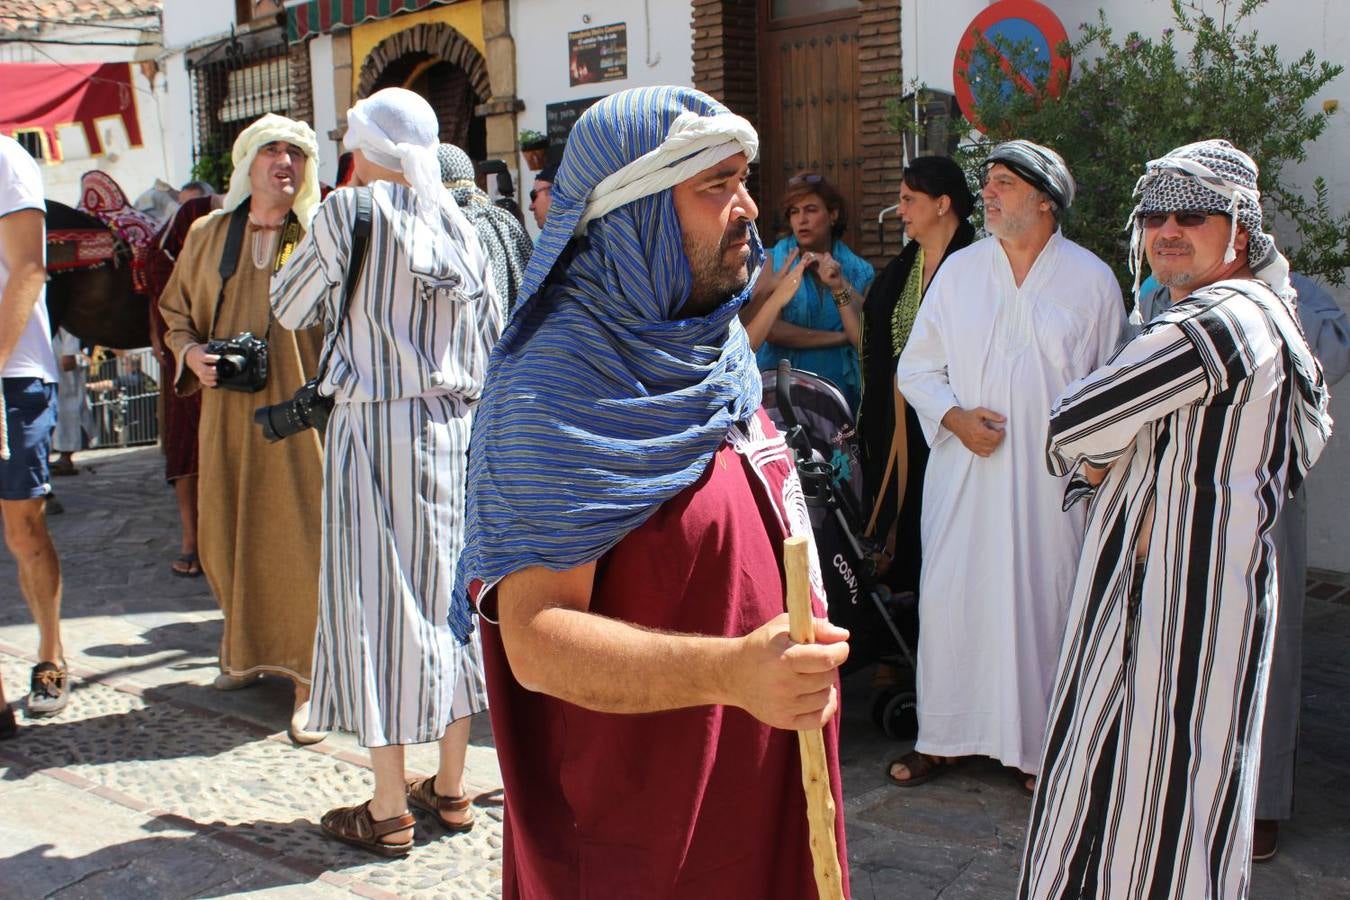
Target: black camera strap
<point x="355" y="263"/>
<point x="234" y="246"/>
<point x="229" y="258"/>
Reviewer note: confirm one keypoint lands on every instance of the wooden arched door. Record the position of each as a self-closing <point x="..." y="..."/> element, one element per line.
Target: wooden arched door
<point x="808" y="103"/>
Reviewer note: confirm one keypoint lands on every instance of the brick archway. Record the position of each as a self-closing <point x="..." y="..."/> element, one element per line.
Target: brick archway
<point x="437" y="40"/>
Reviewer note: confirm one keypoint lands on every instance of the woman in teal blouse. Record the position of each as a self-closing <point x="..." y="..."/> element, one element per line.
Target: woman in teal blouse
<point x="818" y="330"/>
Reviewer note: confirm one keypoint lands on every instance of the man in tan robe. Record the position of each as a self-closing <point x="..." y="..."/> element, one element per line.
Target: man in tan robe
<point x="259" y="503"/>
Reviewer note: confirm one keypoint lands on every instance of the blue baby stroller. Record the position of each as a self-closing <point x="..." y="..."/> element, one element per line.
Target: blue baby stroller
<point x="818" y="425"/>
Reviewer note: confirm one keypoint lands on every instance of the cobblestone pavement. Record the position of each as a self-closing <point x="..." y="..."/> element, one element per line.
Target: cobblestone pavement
<point x="151" y="784"/>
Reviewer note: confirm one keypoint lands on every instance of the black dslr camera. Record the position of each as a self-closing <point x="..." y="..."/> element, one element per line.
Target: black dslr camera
<point x="307" y="409"/>
<point x="242" y="365"/>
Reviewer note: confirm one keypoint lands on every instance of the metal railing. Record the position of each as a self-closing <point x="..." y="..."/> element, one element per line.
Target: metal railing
<point x="124" y="390"/>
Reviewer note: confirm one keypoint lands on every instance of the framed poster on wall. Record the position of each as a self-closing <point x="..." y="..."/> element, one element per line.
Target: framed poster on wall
<point x="598" y="54"/>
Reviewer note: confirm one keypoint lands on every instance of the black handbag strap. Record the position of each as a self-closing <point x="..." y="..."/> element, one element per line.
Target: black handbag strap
<point x="355" y="263"/>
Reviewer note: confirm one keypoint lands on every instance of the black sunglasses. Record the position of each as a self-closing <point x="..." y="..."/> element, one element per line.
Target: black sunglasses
<point x="534" y="193"/>
<point x="1186" y="218"/>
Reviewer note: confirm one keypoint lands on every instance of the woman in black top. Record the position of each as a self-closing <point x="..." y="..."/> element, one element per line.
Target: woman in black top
<point x="935" y="206"/>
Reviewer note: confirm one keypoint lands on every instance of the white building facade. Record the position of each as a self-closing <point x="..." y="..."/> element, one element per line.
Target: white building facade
<point x="128" y="146"/>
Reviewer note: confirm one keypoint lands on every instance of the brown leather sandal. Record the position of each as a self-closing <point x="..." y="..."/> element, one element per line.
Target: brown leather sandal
<point x="422" y="794"/>
<point x="922" y="768"/>
<point x="354" y="825"/>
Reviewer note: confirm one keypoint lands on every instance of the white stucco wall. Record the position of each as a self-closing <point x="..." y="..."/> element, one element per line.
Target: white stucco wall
<point x="325" y="105"/>
<point x="660" y="51"/>
<point x="178" y="118"/>
<point x="189" y="22"/>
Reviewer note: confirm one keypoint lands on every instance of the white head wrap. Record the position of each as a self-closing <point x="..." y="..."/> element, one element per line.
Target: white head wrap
<point x="397" y="129"/>
<point x="266" y="130"/>
<point x="692" y="144"/>
<point x="1209" y="176"/>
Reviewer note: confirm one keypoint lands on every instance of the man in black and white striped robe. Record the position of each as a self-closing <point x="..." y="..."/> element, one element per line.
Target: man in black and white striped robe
<point x="1196" y="432"/>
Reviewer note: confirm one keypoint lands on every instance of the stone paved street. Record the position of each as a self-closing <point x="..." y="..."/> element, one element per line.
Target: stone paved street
<point x="152" y="784"/>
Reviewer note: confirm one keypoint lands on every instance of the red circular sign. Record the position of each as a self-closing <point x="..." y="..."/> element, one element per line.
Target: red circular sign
<point x="1016" y="21"/>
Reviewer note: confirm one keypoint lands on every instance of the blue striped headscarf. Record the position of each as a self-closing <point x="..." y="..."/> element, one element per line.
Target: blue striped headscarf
<point x="600" y="405"/>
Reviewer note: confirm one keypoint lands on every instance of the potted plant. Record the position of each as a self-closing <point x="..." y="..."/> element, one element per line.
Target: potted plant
<point x="534" y="145"/>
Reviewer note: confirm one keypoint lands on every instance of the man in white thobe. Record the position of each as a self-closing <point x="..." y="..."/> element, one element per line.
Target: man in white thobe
<point x="1007" y="323"/>
<point x="74" y="415"/>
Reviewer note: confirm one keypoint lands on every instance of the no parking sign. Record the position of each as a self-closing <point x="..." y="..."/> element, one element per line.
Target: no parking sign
<point x="1012" y="23"/>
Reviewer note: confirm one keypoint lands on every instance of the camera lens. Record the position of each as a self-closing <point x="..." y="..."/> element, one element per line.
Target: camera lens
<point x="229" y="366"/>
<point x="273" y="421"/>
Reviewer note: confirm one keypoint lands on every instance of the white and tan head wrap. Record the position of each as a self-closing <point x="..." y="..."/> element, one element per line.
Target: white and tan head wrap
<point x="1209" y="176"/>
<point x="266" y="130"/>
<point x="692" y="144"/>
<point x="397" y="129"/>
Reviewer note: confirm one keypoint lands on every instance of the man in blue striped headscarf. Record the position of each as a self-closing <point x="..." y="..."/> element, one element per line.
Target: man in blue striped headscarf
<point x="627" y="504"/>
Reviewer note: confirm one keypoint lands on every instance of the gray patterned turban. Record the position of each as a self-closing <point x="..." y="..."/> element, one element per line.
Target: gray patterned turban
<point x="456" y="168"/>
<point x="1041" y="167"/>
<point x="1209" y="176"/>
<point x="505" y="240"/>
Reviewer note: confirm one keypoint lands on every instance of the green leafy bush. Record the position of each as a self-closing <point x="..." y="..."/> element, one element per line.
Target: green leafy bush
<point x="214" y="168"/>
<point x="1132" y="100"/>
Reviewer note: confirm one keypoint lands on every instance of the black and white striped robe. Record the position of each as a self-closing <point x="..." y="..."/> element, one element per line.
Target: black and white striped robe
<point x="1209" y="419"/>
<point x="411" y="357"/>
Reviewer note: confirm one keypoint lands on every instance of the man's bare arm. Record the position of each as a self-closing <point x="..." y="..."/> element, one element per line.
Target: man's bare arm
<point x="556" y="646"/>
<point x="21" y="236"/>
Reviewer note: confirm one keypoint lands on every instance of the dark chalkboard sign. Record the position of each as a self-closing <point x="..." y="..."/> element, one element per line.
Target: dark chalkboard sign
<point x="560" y="118"/>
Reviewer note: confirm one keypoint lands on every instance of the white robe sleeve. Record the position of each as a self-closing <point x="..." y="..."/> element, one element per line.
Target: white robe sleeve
<point x="1111" y="329"/>
<point x="1098" y="417"/>
<point x="921" y="374"/>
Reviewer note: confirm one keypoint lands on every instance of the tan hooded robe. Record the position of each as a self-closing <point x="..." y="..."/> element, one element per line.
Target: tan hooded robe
<point x="259" y="503"/>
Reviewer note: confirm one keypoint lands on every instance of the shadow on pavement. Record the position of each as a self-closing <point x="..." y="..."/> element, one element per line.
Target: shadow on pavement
<point x="193" y="865"/>
<point x="188" y="638"/>
<point x="159" y="731"/>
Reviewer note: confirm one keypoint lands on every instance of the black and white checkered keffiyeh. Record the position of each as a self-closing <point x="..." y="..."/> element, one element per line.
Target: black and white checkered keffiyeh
<point x="503" y="238"/>
<point x="1212" y="176"/>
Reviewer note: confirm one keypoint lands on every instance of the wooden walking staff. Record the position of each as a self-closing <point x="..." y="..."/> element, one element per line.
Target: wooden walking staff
<point x="820" y="812"/>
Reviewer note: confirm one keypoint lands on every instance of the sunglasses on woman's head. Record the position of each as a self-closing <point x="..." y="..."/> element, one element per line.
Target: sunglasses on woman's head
<point x="808" y="178"/>
<point x="1186" y="218"/>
